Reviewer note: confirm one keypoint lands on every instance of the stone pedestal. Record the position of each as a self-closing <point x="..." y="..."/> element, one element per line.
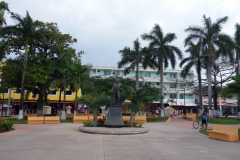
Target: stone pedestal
<point x="114" y="118"/>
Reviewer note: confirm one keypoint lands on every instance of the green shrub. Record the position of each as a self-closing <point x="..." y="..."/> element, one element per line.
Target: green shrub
<point x="139" y="124"/>
<point x="87" y="124"/>
<point x="6" y="125"/>
<point x="100" y="121"/>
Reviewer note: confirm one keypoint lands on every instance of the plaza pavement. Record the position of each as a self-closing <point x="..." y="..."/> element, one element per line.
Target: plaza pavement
<point x="164" y="141"/>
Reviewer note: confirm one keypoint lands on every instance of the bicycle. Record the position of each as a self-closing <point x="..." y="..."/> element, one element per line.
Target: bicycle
<point x="196" y="123"/>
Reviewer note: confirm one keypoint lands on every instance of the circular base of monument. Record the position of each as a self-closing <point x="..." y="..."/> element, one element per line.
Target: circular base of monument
<point x="113" y="131"/>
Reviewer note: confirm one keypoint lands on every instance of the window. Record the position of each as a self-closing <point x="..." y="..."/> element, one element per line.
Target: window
<point x="173" y="85"/>
<point x="172" y="75"/>
<point x="140" y="74"/>
<point x="181" y="96"/>
<point x="173" y="96"/>
<point x="107" y="72"/>
<point x="68" y="93"/>
<point x="147" y="74"/>
<point x="35" y="91"/>
<point x="181" y="85"/>
<point x="18" y="91"/>
<point x="52" y="92"/>
<point x="3" y="91"/>
<point x="94" y="71"/>
<point x="116" y="73"/>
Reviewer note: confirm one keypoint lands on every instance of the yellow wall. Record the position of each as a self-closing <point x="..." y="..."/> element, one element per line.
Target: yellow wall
<point x="50" y="97"/>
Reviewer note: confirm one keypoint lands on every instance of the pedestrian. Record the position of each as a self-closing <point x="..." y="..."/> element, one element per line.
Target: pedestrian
<point x="204" y="119"/>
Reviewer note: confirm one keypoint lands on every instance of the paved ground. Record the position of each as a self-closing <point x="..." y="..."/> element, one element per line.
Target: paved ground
<point x="64" y="141"/>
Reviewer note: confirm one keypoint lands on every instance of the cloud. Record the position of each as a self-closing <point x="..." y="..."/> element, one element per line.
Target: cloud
<point x="105" y="27"/>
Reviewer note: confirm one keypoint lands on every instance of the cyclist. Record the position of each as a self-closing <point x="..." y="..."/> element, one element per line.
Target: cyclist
<point x="204" y="119"/>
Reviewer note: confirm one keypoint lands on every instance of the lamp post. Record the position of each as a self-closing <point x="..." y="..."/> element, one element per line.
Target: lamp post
<point x="236" y="63"/>
<point x="184" y="86"/>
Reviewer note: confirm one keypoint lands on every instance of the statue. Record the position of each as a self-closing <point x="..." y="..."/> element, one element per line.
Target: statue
<point x="116" y="92"/>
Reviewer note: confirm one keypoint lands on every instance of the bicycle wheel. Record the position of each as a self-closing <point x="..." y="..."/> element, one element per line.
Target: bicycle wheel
<point x="195" y="124"/>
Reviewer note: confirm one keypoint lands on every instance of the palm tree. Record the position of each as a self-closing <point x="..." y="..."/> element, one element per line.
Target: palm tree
<point x="138" y="98"/>
<point x="62" y="77"/>
<point x="214" y="44"/>
<point x="26" y="32"/>
<point x="134" y="57"/>
<point x="194" y="60"/>
<point x="237" y="43"/>
<point x="163" y="52"/>
<point x="78" y="76"/>
<point x="3" y="8"/>
<point x="93" y="102"/>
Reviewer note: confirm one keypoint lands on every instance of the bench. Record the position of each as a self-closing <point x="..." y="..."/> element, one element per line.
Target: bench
<point x="35" y="120"/>
<point x="226" y="133"/>
<point x="151" y="116"/>
<point x="141" y="119"/>
<point x="191" y="117"/>
<point x="98" y="117"/>
<point x="51" y="119"/>
<point x="70" y="115"/>
<point x="31" y="115"/>
<point x="80" y="119"/>
<point x="89" y="114"/>
<point x="126" y="118"/>
<point x="80" y="114"/>
<point x="90" y="118"/>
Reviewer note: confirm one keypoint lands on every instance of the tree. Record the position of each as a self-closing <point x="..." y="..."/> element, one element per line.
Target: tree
<point x="93" y="103"/>
<point x="194" y="60"/>
<point x="237" y="49"/>
<point x="135" y="57"/>
<point x="78" y="77"/>
<point x="138" y="98"/>
<point x="25" y="32"/>
<point x="163" y="51"/>
<point x="3" y="8"/>
<point x="214" y="44"/>
<point x="232" y="88"/>
<point x="62" y="77"/>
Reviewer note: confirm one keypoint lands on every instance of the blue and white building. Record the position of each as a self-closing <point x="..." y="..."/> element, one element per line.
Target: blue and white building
<point x="174" y="84"/>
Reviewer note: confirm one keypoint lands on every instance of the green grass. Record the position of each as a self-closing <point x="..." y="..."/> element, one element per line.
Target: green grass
<point x="158" y="119"/>
<point x="68" y="120"/>
<point x="15" y="121"/>
<point x="224" y="120"/>
<point x="206" y="133"/>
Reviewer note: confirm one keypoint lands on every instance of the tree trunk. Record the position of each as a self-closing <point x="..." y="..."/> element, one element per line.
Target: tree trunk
<point x="131" y="118"/>
<point x="200" y="91"/>
<point x="161" y="81"/>
<point x="63" y="117"/>
<point x="209" y="77"/>
<point x="137" y="79"/>
<point x="95" y="122"/>
<point x="75" y="104"/>
<point x="40" y="100"/>
<point x="59" y="101"/>
<point x="23" y="82"/>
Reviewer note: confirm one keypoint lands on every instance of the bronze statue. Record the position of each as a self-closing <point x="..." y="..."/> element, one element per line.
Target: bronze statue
<point x="116" y="92"/>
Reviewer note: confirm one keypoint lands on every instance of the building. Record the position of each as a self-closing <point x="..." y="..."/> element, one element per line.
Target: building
<point x="175" y="87"/>
<point x="31" y="101"/>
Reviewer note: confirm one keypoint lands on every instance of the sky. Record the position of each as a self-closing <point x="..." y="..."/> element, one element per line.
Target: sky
<point x="103" y="27"/>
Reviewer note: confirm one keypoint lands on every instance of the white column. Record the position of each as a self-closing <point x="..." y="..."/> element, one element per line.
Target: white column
<point x="232" y="110"/>
<point x="9" y="98"/>
<point x="220" y="108"/>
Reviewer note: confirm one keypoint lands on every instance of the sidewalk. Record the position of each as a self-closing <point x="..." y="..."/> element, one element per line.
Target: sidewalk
<point x="180" y="122"/>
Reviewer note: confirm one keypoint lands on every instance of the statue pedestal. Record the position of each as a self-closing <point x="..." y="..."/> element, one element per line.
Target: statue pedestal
<point x="114" y="118"/>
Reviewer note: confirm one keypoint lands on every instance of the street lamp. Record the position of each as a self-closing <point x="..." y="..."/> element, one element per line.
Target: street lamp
<point x="184" y="86"/>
